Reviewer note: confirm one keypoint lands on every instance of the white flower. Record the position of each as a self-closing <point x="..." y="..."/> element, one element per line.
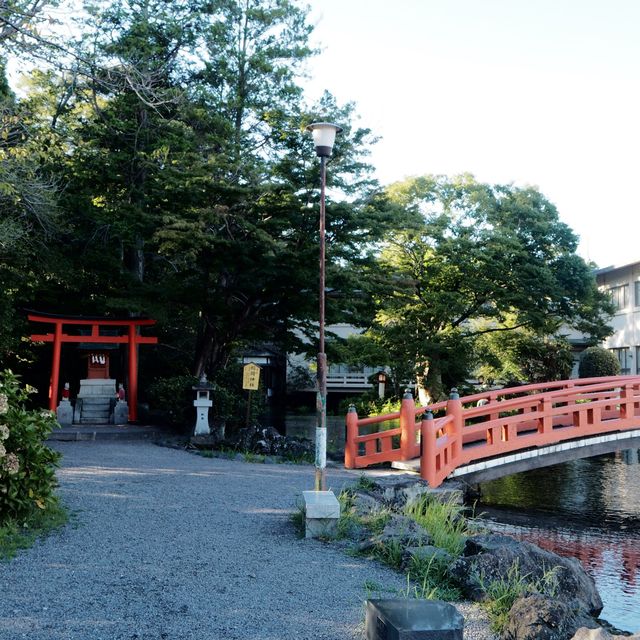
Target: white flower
<point x="3" y="451"/>
<point x="4" y="404"/>
<point x="12" y="464"/>
<point x="4" y="432"/>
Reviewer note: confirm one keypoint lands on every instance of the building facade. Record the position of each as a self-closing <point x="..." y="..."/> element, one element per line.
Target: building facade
<point x="623" y="285"/>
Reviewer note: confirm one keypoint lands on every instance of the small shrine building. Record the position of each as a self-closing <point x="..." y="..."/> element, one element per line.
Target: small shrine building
<point x="96" y="335"/>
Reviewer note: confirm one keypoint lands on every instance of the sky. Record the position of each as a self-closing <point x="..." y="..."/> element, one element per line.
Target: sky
<point x="529" y="92"/>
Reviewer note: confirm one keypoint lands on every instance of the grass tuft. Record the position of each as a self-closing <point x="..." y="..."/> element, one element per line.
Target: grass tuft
<point x="15" y="536"/>
<point x="444" y="521"/>
<point x="503" y="592"/>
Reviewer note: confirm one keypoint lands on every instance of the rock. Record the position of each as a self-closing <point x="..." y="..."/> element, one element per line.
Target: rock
<point x="207" y="441"/>
<point x="403" y="531"/>
<point x="493" y="556"/>
<point x="267" y="441"/>
<point x="539" y="617"/>
<point x="592" y="634"/>
<point x="365" y="504"/>
<point x="601" y="634"/>
<point x="397" y="493"/>
<point x="426" y="552"/>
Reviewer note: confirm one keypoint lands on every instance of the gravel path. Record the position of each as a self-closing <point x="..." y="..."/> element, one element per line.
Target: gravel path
<point x="164" y="544"/>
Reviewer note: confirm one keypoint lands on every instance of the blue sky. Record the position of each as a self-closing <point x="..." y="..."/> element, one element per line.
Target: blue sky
<point x="543" y="92"/>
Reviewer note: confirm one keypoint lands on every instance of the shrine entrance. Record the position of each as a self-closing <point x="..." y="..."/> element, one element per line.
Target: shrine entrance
<point x="98" y="340"/>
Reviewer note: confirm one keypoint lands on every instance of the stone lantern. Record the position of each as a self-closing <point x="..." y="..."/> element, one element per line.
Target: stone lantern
<point x="202" y="403"/>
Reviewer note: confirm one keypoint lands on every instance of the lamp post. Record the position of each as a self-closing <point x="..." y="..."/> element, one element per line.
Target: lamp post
<point x="324" y="135"/>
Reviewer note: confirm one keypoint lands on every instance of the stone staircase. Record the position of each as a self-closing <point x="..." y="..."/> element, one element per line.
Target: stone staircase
<point x="96" y="410"/>
<point x="95" y="402"/>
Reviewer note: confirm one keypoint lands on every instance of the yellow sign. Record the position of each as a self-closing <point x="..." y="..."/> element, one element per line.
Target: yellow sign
<point x="250" y="376"/>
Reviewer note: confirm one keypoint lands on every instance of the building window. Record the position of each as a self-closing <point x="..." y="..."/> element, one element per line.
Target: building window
<point x="620" y="296"/>
<point x="624" y="358"/>
<point x="637" y="293"/>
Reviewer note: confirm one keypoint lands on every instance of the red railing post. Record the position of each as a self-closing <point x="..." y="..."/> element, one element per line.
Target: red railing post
<point x="428" y="455"/>
<point x="350" y="445"/>
<point x="454" y="429"/>
<point x="626" y="401"/>
<point x="407" y="426"/>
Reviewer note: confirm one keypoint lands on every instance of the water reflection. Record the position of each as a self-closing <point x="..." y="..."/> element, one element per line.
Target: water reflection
<point x="589" y="509"/>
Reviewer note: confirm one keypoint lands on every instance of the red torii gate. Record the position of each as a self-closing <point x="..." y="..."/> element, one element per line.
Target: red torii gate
<point x="131" y="338"/>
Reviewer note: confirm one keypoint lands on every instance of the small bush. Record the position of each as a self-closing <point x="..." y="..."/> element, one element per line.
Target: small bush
<point x="596" y="362"/>
<point x="27" y="465"/>
<point x="504" y="591"/>
<point x="444" y="521"/>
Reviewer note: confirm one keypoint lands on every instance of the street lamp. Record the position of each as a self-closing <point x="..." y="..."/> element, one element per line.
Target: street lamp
<point x="324" y="135"/>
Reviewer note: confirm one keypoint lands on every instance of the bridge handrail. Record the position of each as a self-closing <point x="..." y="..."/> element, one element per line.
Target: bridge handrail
<point x="541" y="408"/>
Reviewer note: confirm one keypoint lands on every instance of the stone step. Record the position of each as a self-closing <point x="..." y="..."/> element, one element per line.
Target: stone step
<point x="84" y="420"/>
<point x="96" y="401"/>
<point x="94" y="415"/>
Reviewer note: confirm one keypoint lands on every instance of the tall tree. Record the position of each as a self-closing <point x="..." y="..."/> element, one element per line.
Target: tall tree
<point x="493" y="253"/>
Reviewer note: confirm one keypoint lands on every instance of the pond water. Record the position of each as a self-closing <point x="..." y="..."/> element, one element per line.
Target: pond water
<point x="589" y="509"/>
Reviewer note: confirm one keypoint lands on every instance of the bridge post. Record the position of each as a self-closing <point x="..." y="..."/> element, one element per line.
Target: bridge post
<point x="428" y="460"/>
<point x="454" y="409"/>
<point x="627" y="409"/>
<point x="350" y="445"/>
<point x="407" y="426"/>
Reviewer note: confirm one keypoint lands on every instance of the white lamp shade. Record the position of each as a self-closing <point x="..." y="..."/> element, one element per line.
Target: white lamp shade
<point x="324" y="136"/>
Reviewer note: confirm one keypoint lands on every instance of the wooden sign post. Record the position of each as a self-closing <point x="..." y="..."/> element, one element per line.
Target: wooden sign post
<point x="251" y="382"/>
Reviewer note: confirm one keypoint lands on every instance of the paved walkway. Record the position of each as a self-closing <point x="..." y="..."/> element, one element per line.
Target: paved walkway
<point x="165" y="544"/>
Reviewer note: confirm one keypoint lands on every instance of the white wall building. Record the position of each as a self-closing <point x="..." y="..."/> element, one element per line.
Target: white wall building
<point x="623" y="284"/>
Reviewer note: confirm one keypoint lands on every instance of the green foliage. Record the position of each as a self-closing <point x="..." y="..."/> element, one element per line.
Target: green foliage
<point x="427" y="580"/>
<point x="596" y="362"/>
<point x="369" y="404"/>
<point x="174" y="396"/>
<point x="504" y="591"/>
<point x="27" y="465"/>
<point x="522" y="355"/>
<point x="444" y="521"/>
<point x="476" y="252"/>
<point x="21" y="535"/>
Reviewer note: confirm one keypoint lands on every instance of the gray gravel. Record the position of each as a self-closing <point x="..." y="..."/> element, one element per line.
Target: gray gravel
<point x="164" y="544"/>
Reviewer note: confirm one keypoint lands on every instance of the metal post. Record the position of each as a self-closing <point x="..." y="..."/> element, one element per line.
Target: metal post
<point x="321" y="402"/>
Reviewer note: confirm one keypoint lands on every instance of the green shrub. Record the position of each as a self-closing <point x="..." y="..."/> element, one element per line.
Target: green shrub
<point x="596" y="362"/>
<point x="27" y="465"/>
<point x="369" y="404"/>
<point x="502" y="592"/>
<point x="174" y="396"/>
<point x="444" y="521"/>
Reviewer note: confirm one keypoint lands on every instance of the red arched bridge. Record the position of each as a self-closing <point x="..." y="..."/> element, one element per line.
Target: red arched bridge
<point x="496" y="433"/>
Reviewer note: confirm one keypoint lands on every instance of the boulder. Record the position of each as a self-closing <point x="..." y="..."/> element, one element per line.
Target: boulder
<point x="365" y="504"/>
<point x="539" y="617"/>
<point x="494" y="556"/>
<point x="397" y="492"/>
<point x="426" y="552"/>
<point x="403" y="531"/>
<point x="600" y="633"/>
<point x="267" y="441"/>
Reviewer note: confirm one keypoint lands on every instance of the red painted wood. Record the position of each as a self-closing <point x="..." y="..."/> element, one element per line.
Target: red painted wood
<point x="511" y="420"/>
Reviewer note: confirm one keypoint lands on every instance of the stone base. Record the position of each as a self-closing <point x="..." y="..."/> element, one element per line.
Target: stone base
<point x="409" y="619"/>
<point x="91" y="387"/>
<point x="64" y="412"/>
<point x="322" y="513"/>
<point x="121" y="412"/>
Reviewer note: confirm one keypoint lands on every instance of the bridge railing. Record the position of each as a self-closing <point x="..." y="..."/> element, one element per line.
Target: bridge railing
<point x="492" y="423"/>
